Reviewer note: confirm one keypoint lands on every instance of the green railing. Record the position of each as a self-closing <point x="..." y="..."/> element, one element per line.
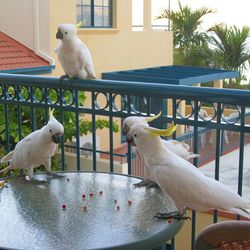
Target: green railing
<point x="115" y="100"/>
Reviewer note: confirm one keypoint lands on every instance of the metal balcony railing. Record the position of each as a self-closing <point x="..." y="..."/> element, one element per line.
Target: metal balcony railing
<point x="113" y="101"/>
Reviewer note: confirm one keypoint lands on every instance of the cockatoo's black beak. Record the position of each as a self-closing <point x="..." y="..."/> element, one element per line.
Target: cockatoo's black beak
<point x="56" y="138"/>
<point x="59" y="35"/>
<point x="130" y="140"/>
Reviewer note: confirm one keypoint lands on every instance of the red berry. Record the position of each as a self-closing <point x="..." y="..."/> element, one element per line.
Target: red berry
<point x="64" y="206"/>
<point x="84" y="208"/>
<point x="169" y="221"/>
<point x="129" y="202"/>
<point x="83" y="196"/>
<point x="91" y="194"/>
<point x="118" y="207"/>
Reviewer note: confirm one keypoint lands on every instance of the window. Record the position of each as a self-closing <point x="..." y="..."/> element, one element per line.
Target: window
<point x="95" y="13"/>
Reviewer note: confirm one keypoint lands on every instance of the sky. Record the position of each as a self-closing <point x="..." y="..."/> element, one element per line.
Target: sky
<point x="227" y="11"/>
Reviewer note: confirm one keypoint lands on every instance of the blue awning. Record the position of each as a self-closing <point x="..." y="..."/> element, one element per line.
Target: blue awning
<point x="178" y="75"/>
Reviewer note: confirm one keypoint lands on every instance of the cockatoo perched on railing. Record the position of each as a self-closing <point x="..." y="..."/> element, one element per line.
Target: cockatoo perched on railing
<point x="73" y="54"/>
<point x="179" y="148"/>
<point x="36" y="148"/>
<point x="181" y="180"/>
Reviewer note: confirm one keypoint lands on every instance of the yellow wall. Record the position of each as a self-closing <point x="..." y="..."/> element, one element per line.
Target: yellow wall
<point x="118" y="48"/>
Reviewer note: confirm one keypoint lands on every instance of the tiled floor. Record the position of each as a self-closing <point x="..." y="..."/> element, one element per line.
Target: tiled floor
<point x="229" y="168"/>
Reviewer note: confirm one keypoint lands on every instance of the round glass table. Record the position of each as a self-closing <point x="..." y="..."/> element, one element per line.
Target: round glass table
<point x="82" y="210"/>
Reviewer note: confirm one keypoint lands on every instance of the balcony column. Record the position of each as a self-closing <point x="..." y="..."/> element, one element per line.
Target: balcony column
<point x="147" y="15"/>
<point x="182" y="110"/>
<point x="218" y="84"/>
<point x="197" y="85"/>
<point x="123" y="19"/>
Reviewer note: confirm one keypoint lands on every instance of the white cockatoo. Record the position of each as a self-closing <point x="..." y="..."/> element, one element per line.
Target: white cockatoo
<point x="179" y="148"/>
<point x="73" y="54"/>
<point x="36" y="148"/>
<point x="181" y="180"/>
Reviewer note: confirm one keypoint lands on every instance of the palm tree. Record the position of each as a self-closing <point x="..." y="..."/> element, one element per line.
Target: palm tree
<point x="191" y="44"/>
<point x="230" y="48"/>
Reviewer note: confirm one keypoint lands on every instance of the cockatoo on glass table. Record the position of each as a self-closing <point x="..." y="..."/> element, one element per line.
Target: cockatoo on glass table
<point x="181" y="180"/>
<point x="36" y="148"/>
<point x="73" y="54"/>
<point x="179" y="148"/>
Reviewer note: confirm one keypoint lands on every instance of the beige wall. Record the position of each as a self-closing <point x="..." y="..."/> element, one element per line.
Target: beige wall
<point x="27" y="21"/>
<point x="35" y="25"/>
<point x="118" y="48"/>
<point x="17" y="20"/>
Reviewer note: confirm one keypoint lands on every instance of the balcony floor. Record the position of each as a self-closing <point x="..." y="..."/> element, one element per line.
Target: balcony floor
<point x="229" y="170"/>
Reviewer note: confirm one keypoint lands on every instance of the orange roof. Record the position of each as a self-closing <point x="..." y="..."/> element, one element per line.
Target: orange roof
<point x="14" y="55"/>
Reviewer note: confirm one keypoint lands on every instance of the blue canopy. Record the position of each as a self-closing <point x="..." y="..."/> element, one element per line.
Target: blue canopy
<point x="179" y="75"/>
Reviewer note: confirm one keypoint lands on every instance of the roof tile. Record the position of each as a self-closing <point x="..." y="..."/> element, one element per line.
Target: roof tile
<point x="14" y="55"/>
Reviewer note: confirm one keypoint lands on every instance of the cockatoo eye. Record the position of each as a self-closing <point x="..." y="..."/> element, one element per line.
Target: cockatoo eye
<point x="135" y="135"/>
<point x="50" y="130"/>
<point x="66" y="33"/>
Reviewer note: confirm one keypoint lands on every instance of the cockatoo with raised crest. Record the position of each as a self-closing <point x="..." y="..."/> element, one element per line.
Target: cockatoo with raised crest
<point x="181" y="180"/>
<point x="36" y="148"/>
<point x="179" y="148"/>
<point x="73" y="54"/>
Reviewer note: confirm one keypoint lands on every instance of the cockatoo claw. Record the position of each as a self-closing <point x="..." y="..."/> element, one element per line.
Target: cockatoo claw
<point x="145" y="183"/>
<point x="72" y="79"/>
<point x="61" y="78"/>
<point x="171" y="215"/>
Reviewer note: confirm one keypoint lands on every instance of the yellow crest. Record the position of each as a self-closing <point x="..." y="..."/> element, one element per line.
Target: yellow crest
<point x="80" y="24"/>
<point x="150" y="119"/>
<point x="162" y="132"/>
<point x="51" y="112"/>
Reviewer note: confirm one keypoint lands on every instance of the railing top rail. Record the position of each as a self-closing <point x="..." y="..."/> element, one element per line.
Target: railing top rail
<point x="204" y="94"/>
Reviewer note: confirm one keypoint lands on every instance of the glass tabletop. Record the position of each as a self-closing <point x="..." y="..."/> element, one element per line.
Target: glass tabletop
<point x="81" y="210"/>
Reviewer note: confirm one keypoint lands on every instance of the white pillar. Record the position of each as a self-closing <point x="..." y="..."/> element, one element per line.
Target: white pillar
<point x="147" y="15"/>
<point x="218" y="84"/>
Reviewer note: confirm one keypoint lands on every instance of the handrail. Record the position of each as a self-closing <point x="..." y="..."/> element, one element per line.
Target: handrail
<point x="157" y="95"/>
<point x="229" y="96"/>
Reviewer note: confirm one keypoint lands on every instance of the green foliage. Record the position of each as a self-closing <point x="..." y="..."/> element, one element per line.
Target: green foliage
<point x="69" y="118"/>
<point x="235" y="85"/>
<point x="219" y="46"/>
<point x="190" y="42"/>
<point x="186" y="24"/>
<point x="230" y="50"/>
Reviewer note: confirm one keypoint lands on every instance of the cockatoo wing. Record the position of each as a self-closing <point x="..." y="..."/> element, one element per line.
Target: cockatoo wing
<point x="23" y="151"/>
<point x="189" y="187"/>
<point x="180" y="185"/>
<point x="57" y="49"/>
<point x="18" y="157"/>
<point x="180" y="149"/>
<point x="85" y="59"/>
